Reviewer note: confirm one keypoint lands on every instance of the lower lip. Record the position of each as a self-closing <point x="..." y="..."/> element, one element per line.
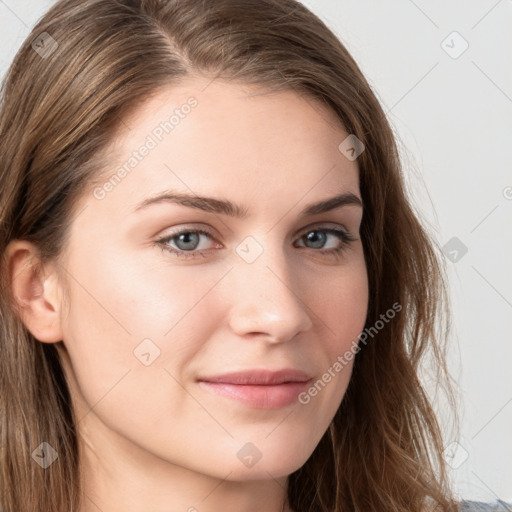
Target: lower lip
<point x="259" y="396"/>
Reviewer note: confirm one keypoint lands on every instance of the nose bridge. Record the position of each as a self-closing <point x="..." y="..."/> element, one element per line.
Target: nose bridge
<point x="265" y="297"/>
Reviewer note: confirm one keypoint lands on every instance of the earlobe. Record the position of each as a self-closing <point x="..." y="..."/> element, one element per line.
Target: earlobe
<point x="35" y="291"/>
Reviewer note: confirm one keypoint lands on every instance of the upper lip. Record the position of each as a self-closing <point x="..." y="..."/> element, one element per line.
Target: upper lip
<point x="259" y="377"/>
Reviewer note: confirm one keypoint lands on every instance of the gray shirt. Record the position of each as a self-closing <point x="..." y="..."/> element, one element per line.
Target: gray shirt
<point x="479" y="506"/>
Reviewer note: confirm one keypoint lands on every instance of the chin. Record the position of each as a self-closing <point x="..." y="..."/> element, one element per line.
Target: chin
<point x="264" y="470"/>
<point x="270" y="458"/>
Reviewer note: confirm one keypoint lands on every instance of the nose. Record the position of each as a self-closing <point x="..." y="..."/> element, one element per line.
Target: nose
<point x="266" y="298"/>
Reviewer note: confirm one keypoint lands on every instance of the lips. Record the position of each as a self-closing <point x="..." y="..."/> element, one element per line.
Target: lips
<point x="259" y="377"/>
<point x="261" y="389"/>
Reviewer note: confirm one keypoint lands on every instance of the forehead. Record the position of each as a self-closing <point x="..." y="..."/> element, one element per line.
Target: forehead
<point x="228" y="139"/>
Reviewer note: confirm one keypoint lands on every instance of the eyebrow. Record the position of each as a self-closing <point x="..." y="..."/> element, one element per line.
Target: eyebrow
<point x="222" y="206"/>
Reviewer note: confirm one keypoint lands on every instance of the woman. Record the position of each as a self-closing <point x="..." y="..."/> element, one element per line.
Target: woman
<point x="215" y="295"/>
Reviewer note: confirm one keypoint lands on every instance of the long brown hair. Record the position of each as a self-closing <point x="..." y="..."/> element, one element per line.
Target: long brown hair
<point x="85" y="65"/>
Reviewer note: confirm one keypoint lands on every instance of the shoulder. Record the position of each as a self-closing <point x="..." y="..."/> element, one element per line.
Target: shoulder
<point x="479" y="506"/>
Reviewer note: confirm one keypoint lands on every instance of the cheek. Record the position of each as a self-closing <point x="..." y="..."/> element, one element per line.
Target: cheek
<point x="341" y="310"/>
<point x="125" y="313"/>
<point x="129" y="342"/>
<point x="134" y="296"/>
<point x="341" y="305"/>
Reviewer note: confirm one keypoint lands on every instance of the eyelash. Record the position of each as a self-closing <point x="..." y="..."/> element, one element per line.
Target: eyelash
<point x="345" y="237"/>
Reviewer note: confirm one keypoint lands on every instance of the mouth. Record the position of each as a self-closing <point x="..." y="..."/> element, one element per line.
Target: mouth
<point x="260" y="389"/>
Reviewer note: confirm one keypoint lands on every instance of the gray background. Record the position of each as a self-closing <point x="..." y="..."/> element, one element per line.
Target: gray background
<point x="451" y="110"/>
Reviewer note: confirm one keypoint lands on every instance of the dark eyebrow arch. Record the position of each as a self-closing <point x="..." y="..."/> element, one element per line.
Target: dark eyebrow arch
<point x="212" y="205"/>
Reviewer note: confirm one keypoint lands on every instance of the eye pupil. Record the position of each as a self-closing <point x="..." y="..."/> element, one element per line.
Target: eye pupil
<point x="317" y="237"/>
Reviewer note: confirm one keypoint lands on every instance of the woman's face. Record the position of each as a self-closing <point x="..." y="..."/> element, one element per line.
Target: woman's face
<point x="153" y="315"/>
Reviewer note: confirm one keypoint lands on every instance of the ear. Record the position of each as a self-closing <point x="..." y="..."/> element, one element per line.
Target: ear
<point x="35" y="291"/>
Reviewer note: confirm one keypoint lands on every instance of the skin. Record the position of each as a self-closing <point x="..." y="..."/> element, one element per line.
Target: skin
<point x="151" y="437"/>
